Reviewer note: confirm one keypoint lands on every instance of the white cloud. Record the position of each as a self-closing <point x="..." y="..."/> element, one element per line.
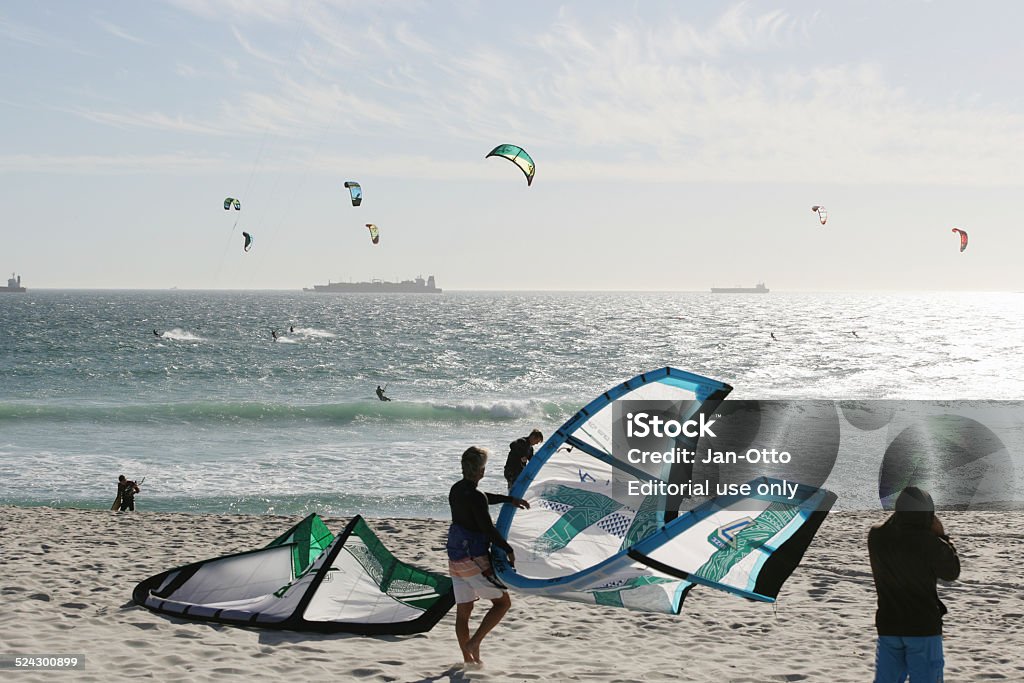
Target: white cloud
<point x="153" y="120"/>
<point x="253" y="51"/>
<point x="273" y="11"/>
<point x="410" y="39"/>
<point x="675" y="101"/>
<point x="29" y="35"/>
<point x="115" y="30"/>
<point x="187" y="70"/>
<point x="95" y="164"/>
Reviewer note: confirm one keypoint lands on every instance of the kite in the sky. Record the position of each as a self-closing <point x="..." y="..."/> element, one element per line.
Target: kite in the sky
<point x="355" y="191"/>
<point x="248" y="241"/>
<point x="232" y="202"/>
<point x="963" y="238"/>
<point x="518" y="156"/>
<point x="822" y="213"/>
<point x="374" y="233"/>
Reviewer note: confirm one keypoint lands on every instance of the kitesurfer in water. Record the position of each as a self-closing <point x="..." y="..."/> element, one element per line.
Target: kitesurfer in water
<point x="773" y="336"/>
<point x="380" y="394"/>
<point x="469" y="539"/>
<point x="273" y="333"/>
<point x="291" y="329"/>
<point x="519" y="453"/>
<point x="908" y="552"/>
<point x="155" y="333"/>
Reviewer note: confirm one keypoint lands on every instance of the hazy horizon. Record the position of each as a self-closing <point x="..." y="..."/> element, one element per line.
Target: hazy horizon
<point x="706" y="290"/>
<point x="678" y="147"/>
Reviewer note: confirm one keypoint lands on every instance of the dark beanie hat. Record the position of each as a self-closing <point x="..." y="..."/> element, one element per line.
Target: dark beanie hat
<point x="913" y="499"/>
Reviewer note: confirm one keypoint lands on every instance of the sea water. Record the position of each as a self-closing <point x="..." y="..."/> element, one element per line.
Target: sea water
<point x="219" y="417"/>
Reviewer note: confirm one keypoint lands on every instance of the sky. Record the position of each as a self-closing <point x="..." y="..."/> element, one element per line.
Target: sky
<point x="678" y="145"/>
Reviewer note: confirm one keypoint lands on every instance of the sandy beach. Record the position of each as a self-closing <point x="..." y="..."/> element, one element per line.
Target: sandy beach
<point x="67" y="578"/>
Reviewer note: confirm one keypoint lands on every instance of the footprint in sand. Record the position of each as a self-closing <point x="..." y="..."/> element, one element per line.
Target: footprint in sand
<point x="364" y="673"/>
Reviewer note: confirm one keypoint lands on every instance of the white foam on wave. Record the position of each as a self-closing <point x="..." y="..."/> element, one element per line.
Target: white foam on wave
<point x="314" y="332"/>
<point x="179" y="334"/>
<point x="505" y="409"/>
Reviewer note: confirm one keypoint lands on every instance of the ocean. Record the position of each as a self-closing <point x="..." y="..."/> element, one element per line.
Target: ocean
<point x="219" y="418"/>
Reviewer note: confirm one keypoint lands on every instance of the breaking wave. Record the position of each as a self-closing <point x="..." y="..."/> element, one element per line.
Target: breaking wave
<point x="339" y="413"/>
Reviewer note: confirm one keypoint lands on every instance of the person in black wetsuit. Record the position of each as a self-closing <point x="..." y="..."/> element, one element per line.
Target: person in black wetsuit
<point x="380" y="394"/>
<point x="469" y="539"/>
<point x="127" y="488"/>
<point x="519" y="453"/>
<point x="909" y="551"/>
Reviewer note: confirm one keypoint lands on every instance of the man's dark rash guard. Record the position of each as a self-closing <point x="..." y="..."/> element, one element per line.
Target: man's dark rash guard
<point x="517" y="451"/>
<point x="472" y="529"/>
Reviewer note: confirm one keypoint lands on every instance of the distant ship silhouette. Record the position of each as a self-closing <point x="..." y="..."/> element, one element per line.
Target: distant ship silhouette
<point x="13" y="284"/>
<point x="417" y="286"/>
<point x="759" y="289"/>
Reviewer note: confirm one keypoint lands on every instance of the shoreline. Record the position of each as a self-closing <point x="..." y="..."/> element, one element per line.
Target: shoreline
<point x="68" y="575"/>
<point x="145" y="507"/>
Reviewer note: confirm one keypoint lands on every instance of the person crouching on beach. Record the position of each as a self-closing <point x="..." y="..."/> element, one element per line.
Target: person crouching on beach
<point x="469" y="539"/>
<point x="909" y="552"/>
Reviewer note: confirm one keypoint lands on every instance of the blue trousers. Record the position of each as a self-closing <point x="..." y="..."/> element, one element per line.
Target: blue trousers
<point x="920" y="657"/>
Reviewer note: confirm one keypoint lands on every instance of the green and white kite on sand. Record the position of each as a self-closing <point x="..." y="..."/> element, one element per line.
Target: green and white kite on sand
<point x="307" y="579"/>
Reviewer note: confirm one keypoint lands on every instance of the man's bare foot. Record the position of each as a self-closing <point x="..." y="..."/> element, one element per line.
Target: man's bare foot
<point x="473" y="649"/>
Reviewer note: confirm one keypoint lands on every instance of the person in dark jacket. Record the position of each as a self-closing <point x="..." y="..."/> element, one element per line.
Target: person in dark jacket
<point x="470" y="537"/>
<point x="909" y="552"/>
<point x="519" y="453"/>
<point x="126" y="489"/>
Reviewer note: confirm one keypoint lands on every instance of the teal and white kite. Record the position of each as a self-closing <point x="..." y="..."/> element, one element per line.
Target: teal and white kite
<point x="518" y="156"/>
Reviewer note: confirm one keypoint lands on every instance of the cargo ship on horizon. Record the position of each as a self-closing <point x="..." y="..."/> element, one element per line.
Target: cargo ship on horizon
<point x="759" y="289"/>
<point x="13" y="285"/>
<point x="417" y="286"/>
